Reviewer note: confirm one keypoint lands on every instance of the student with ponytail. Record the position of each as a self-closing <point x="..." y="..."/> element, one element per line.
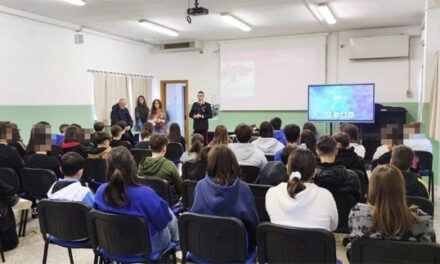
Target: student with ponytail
<point x="122" y="195"/>
<point x="193" y="152"/>
<point x="299" y="202"/>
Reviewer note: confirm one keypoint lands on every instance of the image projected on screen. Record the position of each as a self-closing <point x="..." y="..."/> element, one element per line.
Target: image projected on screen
<point x="342" y="103"/>
<point x="238" y="79"/>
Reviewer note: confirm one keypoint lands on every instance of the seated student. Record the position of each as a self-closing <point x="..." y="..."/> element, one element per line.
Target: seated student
<point x="220" y="136"/>
<point x="71" y="141"/>
<point x="386" y="215"/>
<point x="98" y="127"/>
<point x="347" y="155"/>
<point x="415" y="139"/>
<point x="147" y="131"/>
<point x="353" y="133"/>
<point x="126" y="132"/>
<point x="308" y="140"/>
<point x="402" y="157"/>
<point x="274" y="172"/>
<point x="158" y="166"/>
<point x="103" y="147"/>
<point x="40" y="145"/>
<point x="222" y="193"/>
<point x="116" y="138"/>
<point x="299" y="202"/>
<point x="8" y="231"/>
<point x="247" y="154"/>
<point x="198" y="172"/>
<point x="291" y="135"/>
<point x="70" y="188"/>
<point x="175" y="136"/>
<point x="122" y="195"/>
<point x="197" y="142"/>
<point x="278" y="132"/>
<point x="9" y="156"/>
<point x="391" y="135"/>
<point x="17" y="141"/>
<point x="60" y="137"/>
<point x="333" y="176"/>
<point x="310" y="126"/>
<point x="266" y="142"/>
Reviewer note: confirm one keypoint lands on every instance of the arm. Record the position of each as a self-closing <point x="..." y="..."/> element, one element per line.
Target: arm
<point x="114" y="116"/>
<point x="156" y="210"/>
<point x="193" y="111"/>
<point x="334" y="217"/>
<point x="177" y="181"/>
<point x="129" y="119"/>
<point x="208" y="113"/>
<point x="137" y="113"/>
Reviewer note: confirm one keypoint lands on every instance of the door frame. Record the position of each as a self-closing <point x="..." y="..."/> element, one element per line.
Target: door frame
<point x="163" y="98"/>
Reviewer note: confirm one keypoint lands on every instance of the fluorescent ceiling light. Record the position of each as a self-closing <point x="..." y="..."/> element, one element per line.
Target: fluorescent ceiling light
<point x="158" y="28"/>
<point x="75" y="2"/>
<point x="327" y="14"/>
<point x="236" y="22"/>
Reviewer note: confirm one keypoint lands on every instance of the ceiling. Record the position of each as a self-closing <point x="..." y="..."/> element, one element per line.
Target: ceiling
<point x="267" y="17"/>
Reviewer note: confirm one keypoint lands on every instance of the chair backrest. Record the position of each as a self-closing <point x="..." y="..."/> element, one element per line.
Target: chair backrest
<point x="249" y="173"/>
<point x="140" y="154"/>
<point x="259" y="193"/>
<point x="37" y="182"/>
<point x="363" y="181"/>
<point x="9" y="176"/>
<point x="64" y="220"/>
<point x="368" y="250"/>
<point x="94" y="169"/>
<point x="270" y="157"/>
<point x="281" y="244"/>
<point x="344" y="203"/>
<point x="188" y="194"/>
<point x="425" y="160"/>
<point x="423" y="203"/>
<point x="213" y="239"/>
<point x="160" y="186"/>
<point x="188" y="170"/>
<point x="119" y="235"/>
<point x="174" y="152"/>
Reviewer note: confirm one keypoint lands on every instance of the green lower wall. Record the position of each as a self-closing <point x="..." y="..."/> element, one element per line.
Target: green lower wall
<point x="25" y="116"/>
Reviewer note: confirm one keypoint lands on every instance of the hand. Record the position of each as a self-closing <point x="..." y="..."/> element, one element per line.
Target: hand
<point x="128" y="128"/>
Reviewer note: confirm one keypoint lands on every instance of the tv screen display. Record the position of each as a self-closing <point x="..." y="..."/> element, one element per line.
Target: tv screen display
<point x="341" y="103"/>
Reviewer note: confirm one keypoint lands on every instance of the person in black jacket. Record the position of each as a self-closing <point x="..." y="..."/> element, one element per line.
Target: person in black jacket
<point x="141" y="112"/>
<point x="9" y="156"/>
<point x="201" y="111"/>
<point x="116" y="138"/>
<point x="120" y="112"/>
<point x="126" y="133"/>
<point x="8" y="232"/>
<point x="402" y="157"/>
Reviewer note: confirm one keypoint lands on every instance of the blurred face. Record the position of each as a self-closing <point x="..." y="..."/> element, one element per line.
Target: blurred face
<point x="157" y="104"/>
<point x="122" y="103"/>
<point x="200" y="97"/>
<point x="141" y="100"/>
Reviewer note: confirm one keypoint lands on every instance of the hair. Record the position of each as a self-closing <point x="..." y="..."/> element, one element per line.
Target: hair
<point x="71" y="163"/>
<point x="291" y="133"/>
<point x="116" y="130"/>
<point x="99" y="126"/>
<point x="220" y="136"/>
<point x="174" y="134"/>
<point x="201" y="92"/>
<point x="310" y="126"/>
<point x="304" y="162"/>
<point x="157" y="142"/>
<point x="153" y="108"/>
<point x="352" y="132"/>
<point x="72" y="134"/>
<point x="266" y="130"/>
<point x="100" y="137"/>
<point x="197" y="141"/>
<point x="402" y="157"/>
<point x="144" y="105"/>
<point x="222" y="165"/>
<point x="63" y="128"/>
<point x="44" y="123"/>
<point x="285" y="152"/>
<point x="15" y="133"/>
<point x="40" y="135"/>
<point x="326" y="145"/>
<point x="122" y="124"/>
<point x="343" y="139"/>
<point x="7" y="132"/>
<point x="308" y="138"/>
<point x="276" y="123"/>
<point x="203" y="154"/>
<point x="416" y="125"/>
<point x="121" y="171"/>
<point x="243" y="133"/>
<point x="386" y="193"/>
<point x="147" y="130"/>
<point x="75" y="124"/>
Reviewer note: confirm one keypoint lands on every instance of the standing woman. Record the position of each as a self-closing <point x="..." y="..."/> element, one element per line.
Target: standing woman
<point x="158" y="117"/>
<point x="141" y="112"/>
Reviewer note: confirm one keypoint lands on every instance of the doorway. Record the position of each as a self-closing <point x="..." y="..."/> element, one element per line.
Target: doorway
<point x="174" y="96"/>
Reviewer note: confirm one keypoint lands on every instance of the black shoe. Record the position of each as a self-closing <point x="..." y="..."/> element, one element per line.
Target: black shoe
<point x="34" y="213"/>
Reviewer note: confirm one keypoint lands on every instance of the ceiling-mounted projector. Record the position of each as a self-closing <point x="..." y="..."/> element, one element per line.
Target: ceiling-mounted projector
<point x="196" y="11"/>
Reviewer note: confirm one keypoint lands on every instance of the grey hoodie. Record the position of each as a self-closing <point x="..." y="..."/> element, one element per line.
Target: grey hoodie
<point x="269" y="146"/>
<point x="248" y="154"/>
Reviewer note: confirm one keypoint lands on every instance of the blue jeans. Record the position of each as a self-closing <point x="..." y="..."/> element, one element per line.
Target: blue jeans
<point x="139" y="124"/>
<point x="162" y="239"/>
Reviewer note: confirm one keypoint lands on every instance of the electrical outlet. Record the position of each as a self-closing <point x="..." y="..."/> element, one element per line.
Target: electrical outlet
<point x="409" y="93"/>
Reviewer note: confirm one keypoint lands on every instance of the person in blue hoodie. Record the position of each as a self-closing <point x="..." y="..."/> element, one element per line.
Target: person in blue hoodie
<point x="122" y="195"/>
<point x="278" y="132"/>
<point x="222" y="193"/>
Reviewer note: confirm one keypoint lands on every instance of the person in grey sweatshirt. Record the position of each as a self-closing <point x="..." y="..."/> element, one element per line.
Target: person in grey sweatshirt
<point x="247" y="153"/>
<point x="266" y="142"/>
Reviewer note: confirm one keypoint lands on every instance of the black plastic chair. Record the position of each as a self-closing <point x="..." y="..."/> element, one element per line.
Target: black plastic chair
<point x="174" y="152"/>
<point x="344" y="203"/>
<point x="423" y="203"/>
<point x="368" y="250"/>
<point x="64" y="224"/>
<point x="123" y="239"/>
<point x="259" y="193"/>
<point x="270" y="157"/>
<point x="94" y="173"/>
<point x="249" y="174"/>
<point x="281" y="244"/>
<point x="140" y="154"/>
<point x="163" y="189"/>
<point x="188" y="170"/>
<point x="188" y="194"/>
<point x="37" y="182"/>
<point x="213" y="239"/>
<point x="425" y="163"/>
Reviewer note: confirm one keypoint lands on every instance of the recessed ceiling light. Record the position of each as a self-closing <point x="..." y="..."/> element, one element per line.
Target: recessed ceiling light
<point x="327" y="14"/>
<point x="158" y="28"/>
<point x="236" y="22"/>
<point x="75" y="2"/>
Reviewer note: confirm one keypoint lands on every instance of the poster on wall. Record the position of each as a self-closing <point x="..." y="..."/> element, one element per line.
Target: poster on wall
<point x="215" y="111"/>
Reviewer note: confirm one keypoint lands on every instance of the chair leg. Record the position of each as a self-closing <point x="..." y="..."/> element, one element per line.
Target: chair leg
<point x="20" y="229"/>
<point x="95" y="260"/>
<point x="25" y="222"/>
<point x="183" y="257"/>
<point x="2" y="253"/>
<point x="70" y="255"/>
<point x="46" y="248"/>
<point x="174" y="257"/>
<point x="431" y="176"/>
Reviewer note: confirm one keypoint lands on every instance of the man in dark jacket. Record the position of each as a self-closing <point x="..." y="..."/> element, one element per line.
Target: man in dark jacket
<point x="120" y="112"/>
<point x="201" y="111"/>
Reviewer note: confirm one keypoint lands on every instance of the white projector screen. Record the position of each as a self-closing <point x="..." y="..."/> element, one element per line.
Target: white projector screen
<point x="270" y="74"/>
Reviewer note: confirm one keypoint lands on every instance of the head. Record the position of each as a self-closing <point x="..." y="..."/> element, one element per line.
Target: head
<point x="122" y="103"/>
<point x="352" y="132"/>
<point x="243" y="133"/>
<point x="158" y="144"/>
<point x="72" y="134"/>
<point x="200" y="96"/>
<point x="122" y="124"/>
<point x="392" y="135"/>
<point x="412" y="128"/>
<point x="301" y="162"/>
<point x="326" y="147"/>
<point x="99" y="126"/>
<point x="147" y="131"/>
<point x="276" y="123"/>
<point x="141" y="101"/>
<point x="342" y="140"/>
<point x="72" y="165"/>
<point x="266" y="130"/>
<point x="8" y="132"/>
<point x="121" y="171"/>
<point x="77" y="125"/>
<point x="220" y="136"/>
<point x="157" y="104"/>
<point x="103" y="139"/>
<point x="174" y="135"/>
<point x="291" y="133"/>
<point x="402" y="157"/>
<point x="116" y="132"/>
<point x="40" y="138"/>
<point x="386" y="192"/>
<point x="285" y="153"/>
<point x="63" y="128"/>
<point x="203" y="154"/>
<point x="197" y="141"/>
<point x="310" y="126"/>
<point x="222" y="165"/>
<point x="308" y="138"/>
